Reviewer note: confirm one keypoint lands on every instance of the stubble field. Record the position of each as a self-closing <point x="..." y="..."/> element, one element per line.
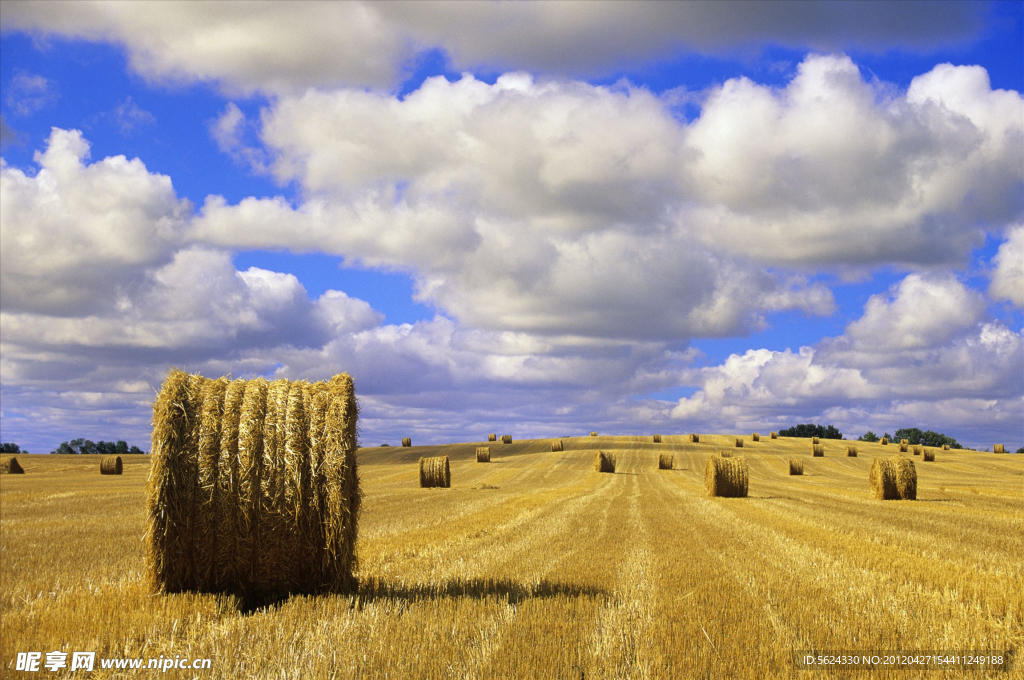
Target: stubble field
<point x="536" y="566"/>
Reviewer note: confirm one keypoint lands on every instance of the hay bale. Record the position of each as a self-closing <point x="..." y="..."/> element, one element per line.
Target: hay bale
<point x="253" y="488"/>
<point x="483" y="454"/>
<point x="851" y="451"/>
<point x="657" y="438"/>
<point x="903" y="447"/>
<point x="506" y="439"/>
<point x="593" y="434"/>
<point x="904" y="442"/>
<point x="893" y="478"/>
<point x="796" y="466"/>
<point x="434" y="472"/>
<point x="774" y="435"/>
<point x="818" y="450"/>
<point x="557" y="445"/>
<point x="694" y="438"/>
<point x="918" y="450"/>
<point x="406" y="441"/>
<point x="945" y="447"/>
<point x="726" y="477"/>
<point x="928" y="456"/>
<point x="998" y="448"/>
<point x="492" y="437"/>
<point x="755" y="437"/>
<point x="739" y="442"/>
<point x="604" y="462"/>
<point x="885" y="441"/>
<point x="666" y="461"/>
<point x="814" y="440"/>
<point x="111" y="465"/>
<point x="9" y="465"/>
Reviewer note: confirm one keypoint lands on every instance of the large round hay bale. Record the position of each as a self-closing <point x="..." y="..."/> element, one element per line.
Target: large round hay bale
<point x="903" y="447"/>
<point x="755" y="437"/>
<point x="435" y="472"/>
<point x="998" y="448"/>
<point x="726" y="477"/>
<point x="111" y="465"/>
<point x="945" y="447"/>
<point x="656" y="438"/>
<point x="9" y="465"/>
<point x="666" y="461"/>
<point x="928" y="456"/>
<point x="851" y="451"/>
<point x="918" y="450"/>
<point x="796" y="466"/>
<point x="739" y="442"/>
<point x="483" y="454"/>
<point x="506" y="439"/>
<point x="774" y="435"/>
<point x="556" y="445"/>
<point x="893" y="478"/>
<point x="492" y="437"/>
<point x="253" y="488"/>
<point x="818" y="450"/>
<point x="694" y="438"/>
<point x="905" y="442"/>
<point x="604" y="461"/>
<point x="406" y="441"/>
<point x="593" y="434"/>
<point x="884" y="442"/>
<point x="814" y="440"/>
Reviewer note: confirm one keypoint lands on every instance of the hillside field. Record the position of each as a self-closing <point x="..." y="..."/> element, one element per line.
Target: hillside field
<point x="536" y="566"/>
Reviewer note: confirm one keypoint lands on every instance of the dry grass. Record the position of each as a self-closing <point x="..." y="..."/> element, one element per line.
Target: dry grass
<point x="111" y="465"/>
<point x="998" y="448"/>
<point x="796" y="466"/>
<point x="725" y="453"/>
<point x="656" y="439"/>
<point x="604" y="461"/>
<point x="818" y="450"/>
<point x="851" y="451"/>
<point x="755" y="437"/>
<point x="483" y="454"/>
<point x="557" y="446"/>
<point x="666" y="461"/>
<point x="9" y="466"/>
<point x="407" y="441"/>
<point x="928" y="456"/>
<point x="435" y="471"/>
<point x="530" y="568"/>
<point x="893" y="478"/>
<point x="726" y="477"/>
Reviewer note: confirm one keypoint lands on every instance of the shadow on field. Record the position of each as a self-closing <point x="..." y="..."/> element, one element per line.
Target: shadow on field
<point x="505" y="589"/>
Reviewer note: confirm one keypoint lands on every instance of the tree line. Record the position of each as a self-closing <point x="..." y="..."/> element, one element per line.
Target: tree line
<point x="915" y="437"/>
<point x="88" y="446"/>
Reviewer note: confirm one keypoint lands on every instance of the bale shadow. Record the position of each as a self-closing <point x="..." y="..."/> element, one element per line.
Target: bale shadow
<point x="513" y="592"/>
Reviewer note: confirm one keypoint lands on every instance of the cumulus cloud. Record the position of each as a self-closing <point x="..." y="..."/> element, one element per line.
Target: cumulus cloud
<point x="77" y="237"/>
<point x="1008" y="276"/>
<point x="287" y="47"/>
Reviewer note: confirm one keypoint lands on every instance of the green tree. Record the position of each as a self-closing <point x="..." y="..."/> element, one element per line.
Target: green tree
<point x="121" y="446"/>
<point x="868" y="436"/>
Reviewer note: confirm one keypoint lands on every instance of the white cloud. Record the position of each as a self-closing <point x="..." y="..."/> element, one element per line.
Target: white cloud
<point x="76" y="237"/>
<point x="130" y="117"/>
<point x="27" y="93"/>
<point x="1008" y="276"/>
<point x="287" y="47"/>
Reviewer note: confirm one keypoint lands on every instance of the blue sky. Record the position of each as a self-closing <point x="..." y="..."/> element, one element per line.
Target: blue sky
<point x="539" y="218"/>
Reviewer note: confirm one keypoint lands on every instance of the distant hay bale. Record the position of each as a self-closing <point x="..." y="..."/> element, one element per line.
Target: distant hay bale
<point x="506" y="439"/>
<point x="851" y="451"/>
<point x="593" y="434"/>
<point x="814" y="440"/>
<point x="434" y="472"/>
<point x="666" y="461"/>
<point x="918" y="450"/>
<point x="928" y="455"/>
<point x="904" y="442"/>
<point x="893" y="478"/>
<point x="998" y="448"/>
<point x="556" y="445"/>
<point x="726" y="477"/>
<point x="945" y="447"/>
<point x="9" y="466"/>
<point x="492" y="437"/>
<point x="818" y="450"/>
<point x="885" y="441"/>
<point x="253" y="488"/>
<point x="406" y="441"/>
<point x="796" y="466"/>
<point x="739" y="442"/>
<point x="755" y="437"/>
<point x="725" y="453"/>
<point x="110" y="465"/>
<point x="774" y="435"/>
<point x="694" y="438"/>
<point x="903" y="447"/>
<point x="483" y="454"/>
<point x="604" y="462"/>
<point x="657" y="439"/>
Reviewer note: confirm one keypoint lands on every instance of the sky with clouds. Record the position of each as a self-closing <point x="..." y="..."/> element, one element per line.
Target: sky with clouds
<point x="533" y="218"/>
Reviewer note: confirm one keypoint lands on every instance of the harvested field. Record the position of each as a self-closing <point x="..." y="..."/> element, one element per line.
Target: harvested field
<point x="533" y="566"/>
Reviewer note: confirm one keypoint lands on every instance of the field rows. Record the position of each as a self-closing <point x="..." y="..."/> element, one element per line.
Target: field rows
<point x="536" y="566"/>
